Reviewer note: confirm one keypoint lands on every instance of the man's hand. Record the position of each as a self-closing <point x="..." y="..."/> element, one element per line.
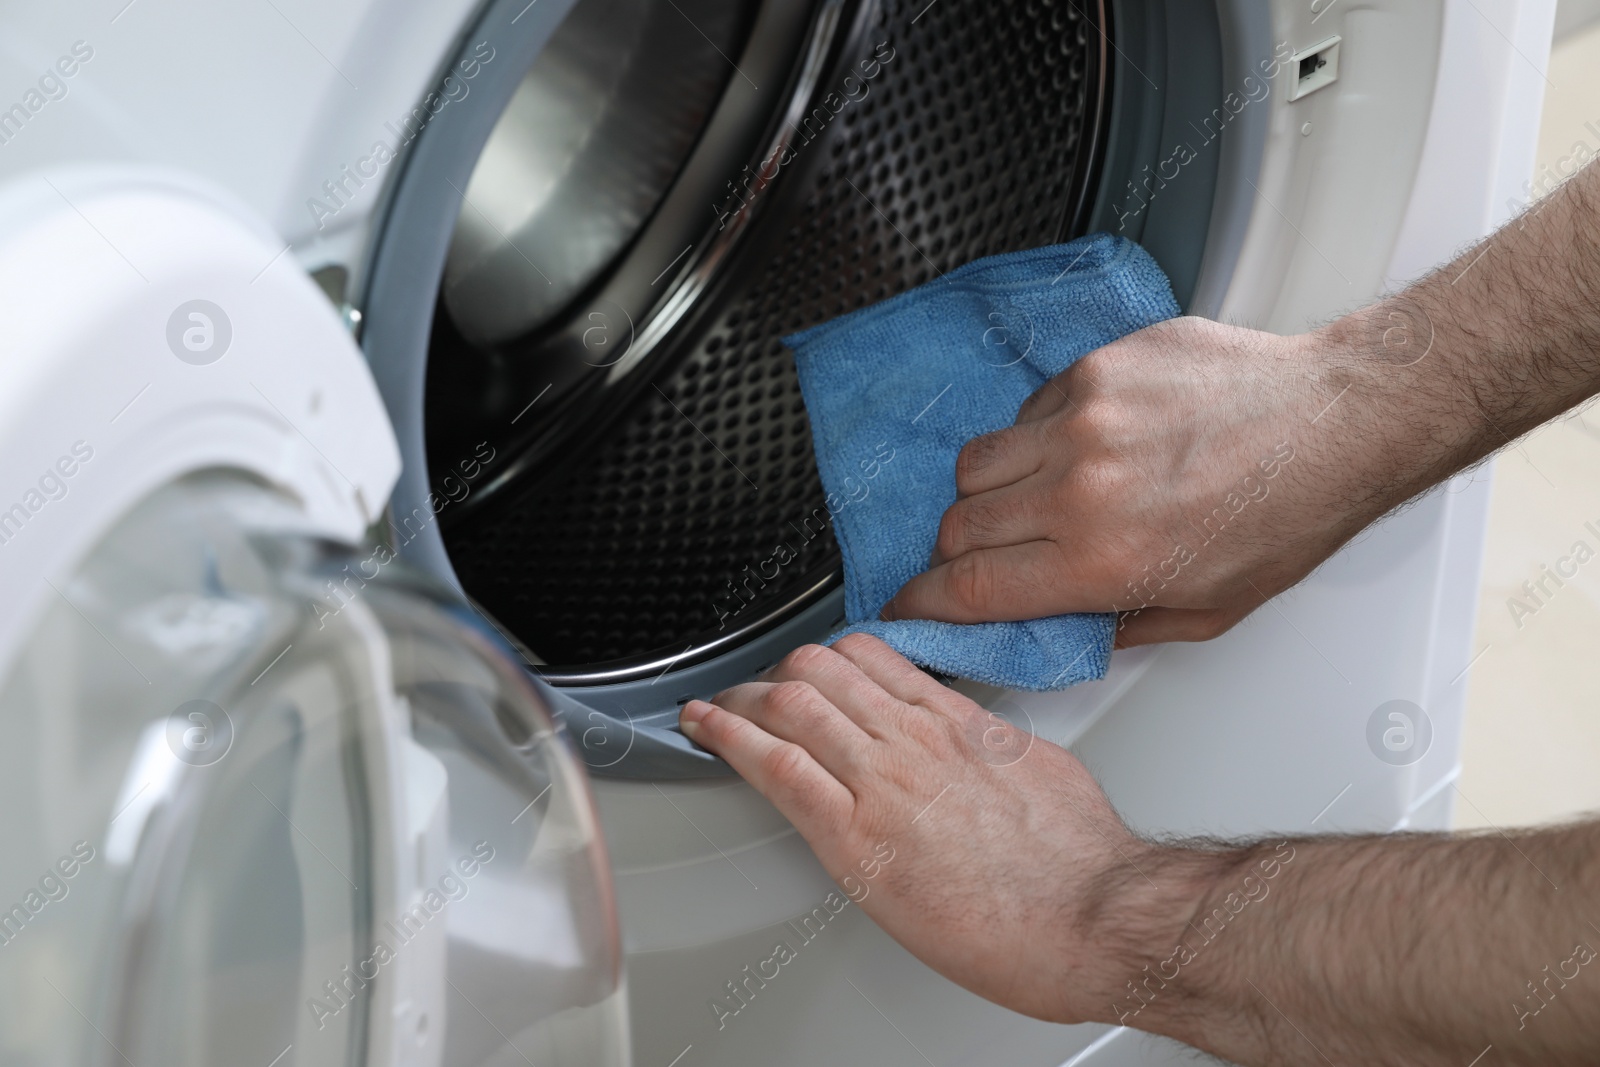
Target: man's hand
<point x="1010" y="873"/>
<point x="1180" y="473"/>
<point x="989" y="853"/>
<point x="1191" y="470"/>
<point x="994" y="858"/>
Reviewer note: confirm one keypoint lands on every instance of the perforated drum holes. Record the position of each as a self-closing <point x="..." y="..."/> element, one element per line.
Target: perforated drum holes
<point x="852" y="88"/>
<point x="971" y="142"/>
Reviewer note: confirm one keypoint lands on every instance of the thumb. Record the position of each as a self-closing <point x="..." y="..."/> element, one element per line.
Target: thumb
<point x="984" y="585"/>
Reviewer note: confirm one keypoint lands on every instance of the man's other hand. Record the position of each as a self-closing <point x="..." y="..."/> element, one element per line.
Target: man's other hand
<point x="989" y="853"/>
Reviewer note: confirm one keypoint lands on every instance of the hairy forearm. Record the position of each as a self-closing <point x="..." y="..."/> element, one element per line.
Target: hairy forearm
<point x="1400" y="949"/>
<point x="1481" y="351"/>
<point x="1413" y="949"/>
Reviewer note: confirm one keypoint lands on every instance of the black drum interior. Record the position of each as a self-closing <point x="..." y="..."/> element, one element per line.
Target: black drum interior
<point x="669" y="187"/>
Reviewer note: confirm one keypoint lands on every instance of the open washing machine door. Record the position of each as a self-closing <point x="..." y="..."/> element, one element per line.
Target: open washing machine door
<point x="272" y="797"/>
<point x="586" y="264"/>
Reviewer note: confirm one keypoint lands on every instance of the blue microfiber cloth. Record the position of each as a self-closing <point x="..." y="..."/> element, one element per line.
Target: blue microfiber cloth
<point x="894" y="391"/>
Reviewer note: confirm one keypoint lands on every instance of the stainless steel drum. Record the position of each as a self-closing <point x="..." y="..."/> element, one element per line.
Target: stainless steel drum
<point x="672" y="188"/>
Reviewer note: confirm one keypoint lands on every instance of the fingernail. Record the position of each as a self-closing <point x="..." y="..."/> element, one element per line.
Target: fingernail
<point x="689" y="718"/>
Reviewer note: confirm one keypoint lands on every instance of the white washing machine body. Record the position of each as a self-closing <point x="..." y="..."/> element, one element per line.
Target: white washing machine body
<point x="1331" y="185"/>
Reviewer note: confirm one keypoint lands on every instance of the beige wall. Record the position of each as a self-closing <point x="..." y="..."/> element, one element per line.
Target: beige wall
<point x="1531" y="745"/>
<point x="1572" y="15"/>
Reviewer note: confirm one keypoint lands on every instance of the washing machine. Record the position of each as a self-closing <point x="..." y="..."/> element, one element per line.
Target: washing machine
<point x="395" y="432"/>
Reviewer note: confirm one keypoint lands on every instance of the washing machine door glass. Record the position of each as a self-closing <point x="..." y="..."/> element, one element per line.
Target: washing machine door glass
<point x="272" y="801"/>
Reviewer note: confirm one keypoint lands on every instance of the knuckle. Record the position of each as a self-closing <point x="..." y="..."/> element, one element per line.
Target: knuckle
<point x="784" y="762"/>
<point x="934" y="734"/>
<point x="972" y="580"/>
<point x="726" y="730"/>
<point x="978" y="455"/>
<point x="1098" y="412"/>
<point x="951" y="540"/>
<point x="1094" y="480"/>
<point x="971" y="523"/>
<point x="1123" y="559"/>
<point x="807" y="659"/>
<point x="983" y="518"/>
<point x="859" y="644"/>
<point x="790" y="698"/>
